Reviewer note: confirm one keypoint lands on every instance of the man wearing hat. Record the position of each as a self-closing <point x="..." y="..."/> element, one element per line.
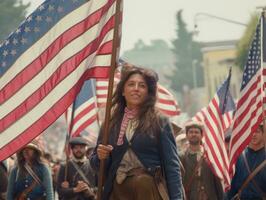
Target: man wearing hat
<point x="199" y="181"/>
<point x="76" y="179"/>
<point x="250" y="173"/>
<point x="31" y="177"/>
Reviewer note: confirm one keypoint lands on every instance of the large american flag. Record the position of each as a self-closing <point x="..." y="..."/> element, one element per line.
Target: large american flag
<point x="44" y="63"/>
<point x="166" y="102"/>
<point x="217" y="119"/>
<point x="249" y="112"/>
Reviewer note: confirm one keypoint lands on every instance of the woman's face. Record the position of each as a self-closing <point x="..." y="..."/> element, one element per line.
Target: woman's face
<point x="28" y="153"/>
<point x="135" y="91"/>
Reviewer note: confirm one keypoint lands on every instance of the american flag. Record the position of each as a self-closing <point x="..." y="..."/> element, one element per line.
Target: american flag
<point x="83" y="112"/>
<point x="44" y="63"/>
<point x="166" y="102"/>
<point x="217" y="118"/>
<point x="249" y="112"/>
<point x="102" y="89"/>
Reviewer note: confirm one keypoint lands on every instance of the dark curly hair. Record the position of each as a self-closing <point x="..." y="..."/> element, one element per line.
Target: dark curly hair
<point x="148" y="115"/>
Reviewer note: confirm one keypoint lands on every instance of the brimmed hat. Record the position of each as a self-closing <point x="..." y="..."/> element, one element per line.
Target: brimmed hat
<point x="33" y="145"/>
<point x="195" y="124"/>
<point x="78" y="141"/>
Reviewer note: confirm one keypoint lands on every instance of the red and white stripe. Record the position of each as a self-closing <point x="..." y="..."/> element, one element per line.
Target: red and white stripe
<point x="102" y="89"/>
<point x="247" y="118"/>
<point x="215" y="126"/>
<point x="91" y="132"/>
<point x="45" y="79"/>
<point x="166" y="102"/>
<point x="84" y="116"/>
<point x="251" y="105"/>
<point x="101" y="92"/>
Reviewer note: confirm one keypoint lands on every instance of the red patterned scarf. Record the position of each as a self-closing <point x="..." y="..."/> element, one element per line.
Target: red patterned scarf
<point x="128" y="115"/>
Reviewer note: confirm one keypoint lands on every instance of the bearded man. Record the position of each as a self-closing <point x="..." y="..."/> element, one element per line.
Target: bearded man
<point x="76" y="179"/>
<point x="199" y="181"/>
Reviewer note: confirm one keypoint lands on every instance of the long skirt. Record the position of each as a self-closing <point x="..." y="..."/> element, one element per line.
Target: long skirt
<point x="136" y="187"/>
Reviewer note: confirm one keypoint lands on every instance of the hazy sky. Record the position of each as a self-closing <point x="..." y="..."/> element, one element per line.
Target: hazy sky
<point x="156" y="19"/>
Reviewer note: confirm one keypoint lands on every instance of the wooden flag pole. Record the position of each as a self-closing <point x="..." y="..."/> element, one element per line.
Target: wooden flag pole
<point x="109" y="95"/>
<point x="68" y="138"/>
<point x="263" y="45"/>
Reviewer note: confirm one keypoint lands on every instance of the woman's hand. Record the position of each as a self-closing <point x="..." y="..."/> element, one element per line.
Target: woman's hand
<point x="103" y="151"/>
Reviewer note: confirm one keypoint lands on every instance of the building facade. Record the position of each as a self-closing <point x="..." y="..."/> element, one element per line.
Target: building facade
<point x="218" y="57"/>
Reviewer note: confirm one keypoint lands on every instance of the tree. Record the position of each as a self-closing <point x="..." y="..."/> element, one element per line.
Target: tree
<point x="245" y="41"/>
<point x="155" y="55"/>
<point x="12" y="12"/>
<point x="188" y="58"/>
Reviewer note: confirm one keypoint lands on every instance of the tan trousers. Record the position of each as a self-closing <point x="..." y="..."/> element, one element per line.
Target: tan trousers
<point x="137" y="187"/>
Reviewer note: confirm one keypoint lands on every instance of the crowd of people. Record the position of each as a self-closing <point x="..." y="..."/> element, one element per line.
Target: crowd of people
<point x="146" y="158"/>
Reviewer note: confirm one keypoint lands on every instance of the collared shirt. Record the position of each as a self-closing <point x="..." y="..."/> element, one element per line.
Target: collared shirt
<point x="76" y="160"/>
<point x="130" y="160"/>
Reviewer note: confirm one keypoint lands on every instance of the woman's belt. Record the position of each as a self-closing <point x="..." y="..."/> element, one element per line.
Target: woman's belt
<point x="137" y="171"/>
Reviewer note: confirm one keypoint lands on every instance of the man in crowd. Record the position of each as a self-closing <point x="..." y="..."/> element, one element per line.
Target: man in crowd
<point x="199" y="181"/>
<point x="76" y="179"/>
<point x="250" y="175"/>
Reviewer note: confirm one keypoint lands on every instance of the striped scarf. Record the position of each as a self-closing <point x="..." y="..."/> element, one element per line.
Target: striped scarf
<point x="128" y="115"/>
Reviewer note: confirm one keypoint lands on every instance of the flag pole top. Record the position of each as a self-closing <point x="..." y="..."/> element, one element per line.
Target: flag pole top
<point x="263" y="10"/>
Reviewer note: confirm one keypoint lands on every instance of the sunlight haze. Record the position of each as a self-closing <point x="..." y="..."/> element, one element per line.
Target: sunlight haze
<point x="155" y="19"/>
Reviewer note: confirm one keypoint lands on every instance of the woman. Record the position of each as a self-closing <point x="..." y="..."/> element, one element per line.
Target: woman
<point x="141" y="143"/>
<point x="30" y="178"/>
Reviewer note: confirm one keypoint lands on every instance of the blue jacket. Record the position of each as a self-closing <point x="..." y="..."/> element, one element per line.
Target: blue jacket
<point x="17" y="184"/>
<point x="147" y="150"/>
<point x="254" y="158"/>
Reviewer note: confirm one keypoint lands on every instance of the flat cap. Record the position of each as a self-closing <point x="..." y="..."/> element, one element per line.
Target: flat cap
<point x="78" y="140"/>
